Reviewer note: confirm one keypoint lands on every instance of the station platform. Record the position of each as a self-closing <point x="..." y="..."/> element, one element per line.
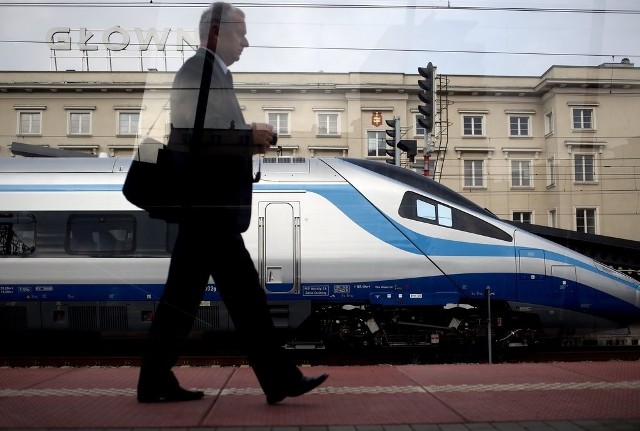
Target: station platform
<point x="564" y="396"/>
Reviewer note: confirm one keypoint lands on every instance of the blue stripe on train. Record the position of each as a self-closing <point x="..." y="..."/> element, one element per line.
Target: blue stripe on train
<point x="357" y="208"/>
<point x="423" y="291"/>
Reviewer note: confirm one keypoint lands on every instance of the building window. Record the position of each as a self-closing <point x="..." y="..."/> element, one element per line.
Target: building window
<point x="280" y="122"/>
<point x="553" y="218"/>
<point x="376" y="143"/>
<point x="29" y="123"/>
<point x="548" y="123"/>
<point x="551" y="171"/>
<point x="586" y="220"/>
<point x="128" y="123"/>
<point x="474" y="173"/>
<point x="417" y="127"/>
<point x="472" y="125"/>
<point x="583" y="118"/>
<point x="519" y="125"/>
<point x="328" y="124"/>
<point x="79" y="123"/>
<point x="584" y="167"/>
<point x="520" y="173"/>
<point x="523" y="216"/>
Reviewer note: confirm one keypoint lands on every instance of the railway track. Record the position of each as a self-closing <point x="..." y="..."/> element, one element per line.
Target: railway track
<point x="353" y="357"/>
<point x="53" y="350"/>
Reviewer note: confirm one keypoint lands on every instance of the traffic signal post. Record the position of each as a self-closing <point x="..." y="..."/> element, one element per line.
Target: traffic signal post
<point x="409" y="146"/>
<point x="427" y="109"/>
<point x="394" y="134"/>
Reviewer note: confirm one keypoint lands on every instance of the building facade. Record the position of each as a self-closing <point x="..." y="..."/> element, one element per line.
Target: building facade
<point x="560" y="150"/>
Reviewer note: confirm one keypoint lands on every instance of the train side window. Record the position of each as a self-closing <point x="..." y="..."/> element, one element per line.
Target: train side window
<point x="100" y="234"/>
<point x="445" y="217"/>
<point x="426" y="210"/>
<point x="17" y="234"/>
<point x="429" y="211"/>
<point x="417" y="207"/>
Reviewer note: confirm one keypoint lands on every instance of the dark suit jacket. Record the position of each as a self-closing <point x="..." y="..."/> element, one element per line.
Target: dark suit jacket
<point x="220" y="176"/>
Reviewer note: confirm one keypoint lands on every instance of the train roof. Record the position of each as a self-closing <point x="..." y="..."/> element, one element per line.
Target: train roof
<point x="273" y="169"/>
<point x="64" y="164"/>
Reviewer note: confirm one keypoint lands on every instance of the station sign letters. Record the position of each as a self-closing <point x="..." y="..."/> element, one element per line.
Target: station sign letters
<point x="117" y="38"/>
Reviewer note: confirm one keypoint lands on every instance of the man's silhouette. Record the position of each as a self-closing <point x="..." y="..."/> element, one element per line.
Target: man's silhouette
<point x="209" y="241"/>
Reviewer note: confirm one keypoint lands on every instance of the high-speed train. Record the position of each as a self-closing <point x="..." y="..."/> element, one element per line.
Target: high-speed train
<point x="348" y="250"/>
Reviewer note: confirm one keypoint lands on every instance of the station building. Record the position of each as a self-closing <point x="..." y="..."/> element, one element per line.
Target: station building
<point x="559" y="150"/>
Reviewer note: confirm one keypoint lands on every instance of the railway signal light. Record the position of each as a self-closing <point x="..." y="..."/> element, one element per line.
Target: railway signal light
<point x="394" y="133"/>
<point x="409" y="146"/>
<point x="426" y="96"/>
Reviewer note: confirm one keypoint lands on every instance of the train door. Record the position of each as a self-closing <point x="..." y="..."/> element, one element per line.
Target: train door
<point x="564" y="287"/>
<point x="279" y="246"/>
<point x="531" y="274"/>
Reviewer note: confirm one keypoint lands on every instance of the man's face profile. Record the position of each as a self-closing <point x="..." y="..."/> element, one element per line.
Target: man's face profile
<point x="232" y="39"/>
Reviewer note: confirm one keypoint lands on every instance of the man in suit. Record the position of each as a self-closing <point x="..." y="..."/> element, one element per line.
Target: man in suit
<point x="209" y="241"/>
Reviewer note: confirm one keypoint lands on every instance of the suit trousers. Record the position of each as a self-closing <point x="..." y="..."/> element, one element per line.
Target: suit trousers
<point x="202" y="250"/>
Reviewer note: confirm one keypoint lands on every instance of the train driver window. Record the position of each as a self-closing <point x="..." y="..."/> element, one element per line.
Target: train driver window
<point x="100" y="234"/>
<point x="17" y="234"/>
<point x="426" y="210"/>
<point x="433" y="212"/>
<point x="421" y="208"/>
<point x="445" y="217"/>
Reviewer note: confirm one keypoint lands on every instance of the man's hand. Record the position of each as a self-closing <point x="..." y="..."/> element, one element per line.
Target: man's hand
<point x="262" y="137"/>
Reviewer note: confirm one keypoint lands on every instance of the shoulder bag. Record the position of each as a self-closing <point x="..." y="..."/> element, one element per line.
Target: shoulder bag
<point x="162" y="188"/>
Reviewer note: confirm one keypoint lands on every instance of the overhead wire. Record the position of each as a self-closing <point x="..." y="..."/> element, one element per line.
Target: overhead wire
<point x="323" y="5"/>
<point x="347" y="5"/>
<point x="376" y="49"/>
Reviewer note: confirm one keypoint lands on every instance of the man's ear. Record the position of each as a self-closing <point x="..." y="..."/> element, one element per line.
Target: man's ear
<point x="212" y="41"/>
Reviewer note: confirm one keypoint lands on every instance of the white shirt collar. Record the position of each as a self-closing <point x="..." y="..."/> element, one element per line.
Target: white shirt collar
<point x="223" y="66"/>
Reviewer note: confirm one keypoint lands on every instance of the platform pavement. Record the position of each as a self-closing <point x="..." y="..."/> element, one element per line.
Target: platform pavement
<point x="581" y="396"/>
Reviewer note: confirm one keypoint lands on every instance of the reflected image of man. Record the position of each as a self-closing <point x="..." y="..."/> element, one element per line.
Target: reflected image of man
<point x="209" y="241"/>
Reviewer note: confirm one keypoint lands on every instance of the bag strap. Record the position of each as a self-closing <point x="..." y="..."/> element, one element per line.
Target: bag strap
<point x="205" y="84"/>
<point x="203" y="97"/>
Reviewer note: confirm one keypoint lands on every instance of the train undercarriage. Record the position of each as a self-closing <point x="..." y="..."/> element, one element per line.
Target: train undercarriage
<point x="363" y="325"/>
<point x="453" y="333"/>
<point x="457" y="332"/>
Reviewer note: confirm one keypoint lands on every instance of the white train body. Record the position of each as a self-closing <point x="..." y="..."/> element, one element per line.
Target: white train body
<point x="327" y="235"/>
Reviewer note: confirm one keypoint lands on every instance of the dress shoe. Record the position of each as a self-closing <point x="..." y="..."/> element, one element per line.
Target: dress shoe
<point x="301" y="387"/>
<point x="154" y="389"/>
